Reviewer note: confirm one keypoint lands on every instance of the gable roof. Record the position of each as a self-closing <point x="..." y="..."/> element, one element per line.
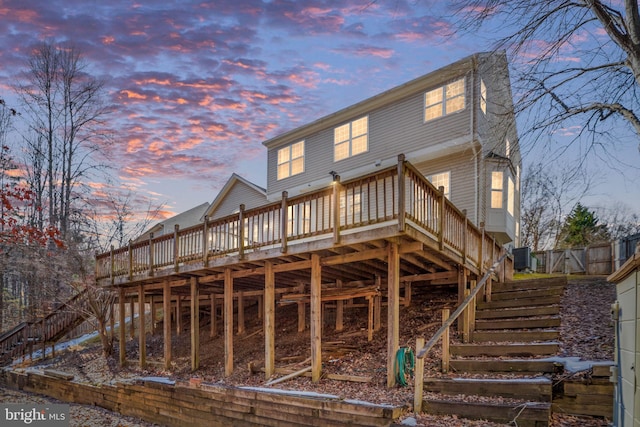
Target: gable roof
<point x="233" y="181"/>
<point x="184" y="220"/>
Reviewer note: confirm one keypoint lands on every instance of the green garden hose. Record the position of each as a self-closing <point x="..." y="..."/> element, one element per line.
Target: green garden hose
<point x="404" y="364"/>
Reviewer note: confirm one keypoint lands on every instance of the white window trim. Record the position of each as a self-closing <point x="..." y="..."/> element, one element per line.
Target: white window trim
<point x="289" y="161"/>
<point x="349" y="140"/>
<point x="445" y="100"/>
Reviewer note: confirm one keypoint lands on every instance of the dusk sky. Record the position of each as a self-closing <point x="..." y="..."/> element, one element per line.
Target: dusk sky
<point x="197" y="86"/>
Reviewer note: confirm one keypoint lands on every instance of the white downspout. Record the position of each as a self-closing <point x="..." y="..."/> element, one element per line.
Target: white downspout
<point x="473" y="146"/>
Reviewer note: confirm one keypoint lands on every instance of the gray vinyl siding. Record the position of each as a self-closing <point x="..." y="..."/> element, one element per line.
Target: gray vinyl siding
<point x="462" y="178"/>
<point x="239" y="194"/>
<point x="394" y="129"/>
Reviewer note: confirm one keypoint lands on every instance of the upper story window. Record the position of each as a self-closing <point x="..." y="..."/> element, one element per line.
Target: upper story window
<point x="291" y="160"/>
<point x="507" y="148"/>
<point x="497" y="187"/>
<point x="444" y="100"/>
<point x="483" y="96"/>
<point x="442" y="180"/>
<point x="351" y="139"/>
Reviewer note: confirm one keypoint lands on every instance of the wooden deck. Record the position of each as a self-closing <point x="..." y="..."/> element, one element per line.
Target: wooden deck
<point x="388" y="229"/>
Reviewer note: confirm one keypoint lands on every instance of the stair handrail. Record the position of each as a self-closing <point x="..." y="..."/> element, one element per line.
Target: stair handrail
<point x="445" y="325"/>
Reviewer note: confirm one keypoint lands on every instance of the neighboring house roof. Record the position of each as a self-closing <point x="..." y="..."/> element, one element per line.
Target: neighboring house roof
<point x="183" y="220"/>
<point x="236" y="184"/>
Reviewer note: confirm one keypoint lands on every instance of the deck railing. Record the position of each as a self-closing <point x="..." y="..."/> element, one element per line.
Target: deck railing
<point x="371" y="199"/>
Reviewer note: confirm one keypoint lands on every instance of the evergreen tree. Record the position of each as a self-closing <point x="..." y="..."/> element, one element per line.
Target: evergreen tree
<point x="581" y="229"/>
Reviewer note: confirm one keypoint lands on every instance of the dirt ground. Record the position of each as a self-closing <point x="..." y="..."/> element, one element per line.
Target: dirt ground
<point x="586" y="332"/>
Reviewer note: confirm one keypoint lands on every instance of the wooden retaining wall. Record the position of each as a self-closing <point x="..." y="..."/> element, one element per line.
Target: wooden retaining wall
<point x="208" y="404"/>
<point x="591" y="396"/>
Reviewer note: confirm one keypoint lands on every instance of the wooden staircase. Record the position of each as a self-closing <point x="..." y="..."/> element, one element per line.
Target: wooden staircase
<point x="502" y="372"/>
<point x="23" y="337"/>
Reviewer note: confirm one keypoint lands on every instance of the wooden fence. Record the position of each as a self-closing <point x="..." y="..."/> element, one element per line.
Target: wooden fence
<point x="592" y="260"/>
<point x="399" y="194"/>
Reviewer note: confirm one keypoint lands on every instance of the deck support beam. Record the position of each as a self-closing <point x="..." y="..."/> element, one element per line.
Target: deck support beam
<point x="228" y="322"/>
<point x="269" y="320"/>
<point x="166" y="322"/>
<point x="195" y="324"/>
<point x="142" y="345"/>
<point x="393" y="310"/>
<point x="316" y="318"/>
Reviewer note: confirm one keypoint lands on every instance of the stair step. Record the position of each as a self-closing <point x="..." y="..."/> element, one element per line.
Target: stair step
<point x="523" y="323"/>
<point x="506" y="313"/>
<point x="516" y="336"/>
<point x="527" y="293"/>
<point x="527" y="414"/>
<point x="535" y="389"/>
<point x="523" y="366"/>
<point x="554" y="282"/>
<point x="510" y="350"/>
<point x="522" y="302"/>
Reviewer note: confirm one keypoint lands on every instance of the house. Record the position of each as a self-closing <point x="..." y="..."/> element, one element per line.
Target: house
<point x="184" y="219"/>
<point x="237" y="191"/>
<point x="417" y="186"/>
<point x="455" y="125"/>
<point x="627" y="354"/>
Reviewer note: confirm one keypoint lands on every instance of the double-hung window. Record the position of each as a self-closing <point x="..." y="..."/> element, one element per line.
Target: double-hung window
<point x="444" y="100"/>
<point x="351" y="139"/>
<point x="497" y="187"/>
<point x="442" y="180"/>
<point x="291" y="160"/>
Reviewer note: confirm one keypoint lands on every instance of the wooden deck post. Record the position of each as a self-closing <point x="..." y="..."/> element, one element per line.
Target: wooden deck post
<point x="123" y="328"/>
<point x="112" y="266"/>
<point x="176" y="248"/>
<point x="419" y="378"/>
<point x="166" y="322"/>
<point x="445" y="342"/>
<point x="142" y="345"/>
<point x="228" y="322"/>
<point x="205" y="241"/>
<point x="377" y="314"/>
<point x="132" y="329"/>
<point x="151" y="255"/>
<point x="370" y="319"/>
<point x="462" y="287"/>
<point x="339" y="309"/>
<point x="269" y="320"/>
<point x="472" y="311"/>
<point x="302" y="311"/>
<point x="152" y="305"/>
<point x="214" y="325"/>
<point x="401" y="193"/>
<point x="130" y="253"/>
<point x="335" y="209"/>
<point x="393" y="310"/>
<point x="316" y="318"/>
<point x="241" y="235"/>
<point x="195" y="324"/>
<point x="241" y="327"/>
<point x="441" y="220"/>
<point x="178" y="315"/>
<point x="284" y="222"/>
